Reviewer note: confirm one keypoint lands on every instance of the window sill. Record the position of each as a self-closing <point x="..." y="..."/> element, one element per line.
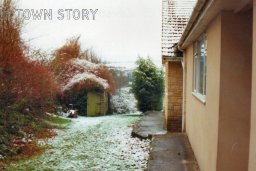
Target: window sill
<point x="199" y="97"/>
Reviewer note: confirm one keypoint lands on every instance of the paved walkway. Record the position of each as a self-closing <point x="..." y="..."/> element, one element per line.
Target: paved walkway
<point x="169" y="151"/>
<point x="150" y="124"/>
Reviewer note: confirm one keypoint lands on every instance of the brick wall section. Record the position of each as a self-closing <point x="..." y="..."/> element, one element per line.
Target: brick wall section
<point x="173" y="96"/>
<point x="166" y="94"/>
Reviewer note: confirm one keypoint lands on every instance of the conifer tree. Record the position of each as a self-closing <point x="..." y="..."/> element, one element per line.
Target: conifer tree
<point x="148" y="85"/>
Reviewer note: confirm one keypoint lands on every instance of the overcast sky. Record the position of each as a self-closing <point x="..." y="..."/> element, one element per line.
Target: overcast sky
<point x="122" y="29"/>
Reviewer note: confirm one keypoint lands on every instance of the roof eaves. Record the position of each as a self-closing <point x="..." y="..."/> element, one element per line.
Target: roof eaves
<point x="199" y="7"/>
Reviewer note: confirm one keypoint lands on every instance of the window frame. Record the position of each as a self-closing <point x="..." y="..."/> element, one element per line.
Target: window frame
<point x="197" y="51"/>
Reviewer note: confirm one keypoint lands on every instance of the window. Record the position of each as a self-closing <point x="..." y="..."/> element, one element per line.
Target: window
<point x="200" y="55"/>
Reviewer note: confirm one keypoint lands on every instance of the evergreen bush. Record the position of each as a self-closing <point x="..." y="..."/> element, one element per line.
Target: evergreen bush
<point x="148" y="85"/>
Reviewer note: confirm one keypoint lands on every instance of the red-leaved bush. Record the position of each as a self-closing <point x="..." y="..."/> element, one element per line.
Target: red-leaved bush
<point x="23" y="83"/>
<point x="76" y="69"/>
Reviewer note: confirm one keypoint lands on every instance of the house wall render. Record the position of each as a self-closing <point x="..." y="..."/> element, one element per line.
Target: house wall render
<point x="219" y="129"/>
<point x="252" y="160"/>
<point x="235" y="91"/>
<point x="202" y="119"/>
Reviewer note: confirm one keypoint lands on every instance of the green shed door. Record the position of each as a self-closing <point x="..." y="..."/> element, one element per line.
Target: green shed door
<point x="93" y="104"/>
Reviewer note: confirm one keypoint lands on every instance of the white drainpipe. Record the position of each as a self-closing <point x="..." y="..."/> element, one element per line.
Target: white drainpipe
<point x="183" y="62"/>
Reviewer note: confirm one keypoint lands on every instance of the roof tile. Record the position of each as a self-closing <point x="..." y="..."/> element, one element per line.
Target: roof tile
<point x="175" y="16"/>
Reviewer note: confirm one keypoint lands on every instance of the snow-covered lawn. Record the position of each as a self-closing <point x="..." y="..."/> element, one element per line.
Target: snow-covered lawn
<point x="102" y="143"/>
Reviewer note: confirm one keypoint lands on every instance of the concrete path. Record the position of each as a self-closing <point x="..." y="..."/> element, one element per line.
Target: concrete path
<point x="151" y="123"/>
<point x="171" y="152"/>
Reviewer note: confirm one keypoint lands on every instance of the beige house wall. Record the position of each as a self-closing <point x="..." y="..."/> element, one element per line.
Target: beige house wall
<point x="219" y="130"/>
<point x="252" y="161"/>
<point x="235" y="92"/>
<point x="202" y="119"/>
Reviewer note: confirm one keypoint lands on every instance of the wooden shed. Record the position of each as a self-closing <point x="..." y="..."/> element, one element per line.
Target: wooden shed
<point x="97" y="103"/>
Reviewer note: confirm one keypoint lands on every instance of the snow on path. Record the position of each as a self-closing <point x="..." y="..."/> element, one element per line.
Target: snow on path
<point x="92" y="144"/>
